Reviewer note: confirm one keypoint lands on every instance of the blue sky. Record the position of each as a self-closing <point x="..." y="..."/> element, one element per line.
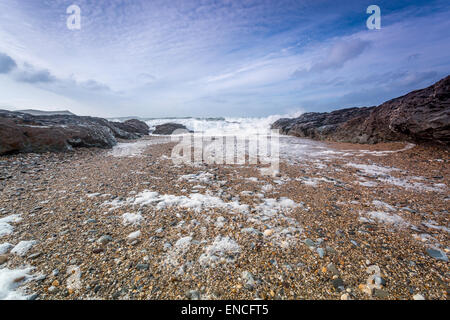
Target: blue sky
<point x="217" y="58"/>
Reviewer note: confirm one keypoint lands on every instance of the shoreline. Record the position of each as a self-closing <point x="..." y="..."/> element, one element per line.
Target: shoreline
<point x="213" y="232"/>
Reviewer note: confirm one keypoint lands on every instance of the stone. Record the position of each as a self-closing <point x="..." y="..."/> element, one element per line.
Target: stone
<point x="365" y="289"/>
<point x="418" y="296"/>
<point x="193" y="295"/>
<point x="52" y="289"/>
<point x="23" y="132"/>
<point x="338" y="284"/>
<point x="34" y="255"/>
<point x="249" y="280"/>
<point x="142" y="266"/>
<point x="332" y="268"/>
<point x="3" y="258"/>
<point x="346" y="296"/>
<point x="268" y="232"/>
<point x="169" y="128"/>
<point x="310" y="243"/>
<point x="321" y="252"/>
<point x="437" y="254"/>
<point x="380" y="293"/>
<point x="104" y="239"/>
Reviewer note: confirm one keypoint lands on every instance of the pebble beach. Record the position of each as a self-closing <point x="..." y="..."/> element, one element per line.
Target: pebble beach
<point x="343" y="222"/>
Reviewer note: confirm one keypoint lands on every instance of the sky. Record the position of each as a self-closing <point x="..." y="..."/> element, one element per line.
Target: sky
<point x="236" y="58"/>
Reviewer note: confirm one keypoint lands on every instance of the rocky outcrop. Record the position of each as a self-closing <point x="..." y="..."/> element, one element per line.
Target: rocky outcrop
<point x="21" y="132"/>
<point x="421" y="116"/>
<point x="168" y="128"/>
<point x="133" y="125"/>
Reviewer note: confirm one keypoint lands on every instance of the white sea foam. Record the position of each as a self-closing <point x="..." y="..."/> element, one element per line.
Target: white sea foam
<point x="389" y="218"/>
<point x="132" y="218"/>
<point x="194" y="201"/>
<point x="11" y="280"/>
<point x="133" y="149"/>
<point x="222" y="248"/>
<point x="5" y="247"/>
<point x="371" y="168"/>
<point x="23" y="247"/>
<point x="5" y="226"/>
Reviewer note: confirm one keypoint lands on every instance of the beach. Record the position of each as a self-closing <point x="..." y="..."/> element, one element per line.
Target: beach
<point x="339" y="221"/>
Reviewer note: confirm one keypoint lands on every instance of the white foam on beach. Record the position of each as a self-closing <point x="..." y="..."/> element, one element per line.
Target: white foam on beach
<point x="180" y="248"/>
<point x="131" y="218"/>
<point x="313" y="182"/>
<point x="382" y="205"/>
<point x="433" y="225"/>
<point x="23" y="247"/>
<point x="5" y="226"/>
<point x="372" y="169"/>
<point x="194" y="201"/>
<point x="411" y="185"/>
<point x="201" y="177"/>
<point x="10" y="282"/>
<point x="386" y="152"/>
<point x="271" y="207"/>
<point x="5" y="247"/>
<point x="266" y="188"/>
<point x="369" y="184"/>
<point x="222" y="248"/>
<point x="133" y="149"/>
<point x="389" y="218"/>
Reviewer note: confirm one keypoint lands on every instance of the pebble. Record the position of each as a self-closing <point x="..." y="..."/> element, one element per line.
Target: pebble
<point x="321" y="252"/>
<point x="3" y="258"/>
<point x="104" y="239"/>
<point x="437" y="254"/>
<point x="332" y="268"/>
<point x="364" y="288"/>
<point x="142" y="266"/>
<point x="52" y="289"/>
<point x="34" y="255"/>
<point x="310" y="243"/>
<point x="249" y="280"/>
<point x="380" y="293"/>
<point x="338" y="284"/>
<point x="193" y="295"/>
<point x="418" y="296"/>
<point x="346" y="296"/>
<point x="268" y="232"/>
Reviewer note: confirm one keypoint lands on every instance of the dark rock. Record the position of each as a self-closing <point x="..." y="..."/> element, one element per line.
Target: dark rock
<point x="421" y="116"/>
<point x="21" y="132"/>
<point x="169" y="128"/>
<point x="142" y="266"/>
<point x="338" y="284"/>
<point x="131" y="128"/>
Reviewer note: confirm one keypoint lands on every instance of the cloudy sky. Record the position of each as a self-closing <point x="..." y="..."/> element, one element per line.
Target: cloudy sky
<point x="156" y="58"/>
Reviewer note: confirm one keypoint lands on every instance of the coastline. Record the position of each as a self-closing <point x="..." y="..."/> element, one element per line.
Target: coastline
<point x="196" y="239"/>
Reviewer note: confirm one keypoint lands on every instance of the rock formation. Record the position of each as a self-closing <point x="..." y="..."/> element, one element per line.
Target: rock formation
<point x="421" y="116"/>
<point x="22" y="132"/>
